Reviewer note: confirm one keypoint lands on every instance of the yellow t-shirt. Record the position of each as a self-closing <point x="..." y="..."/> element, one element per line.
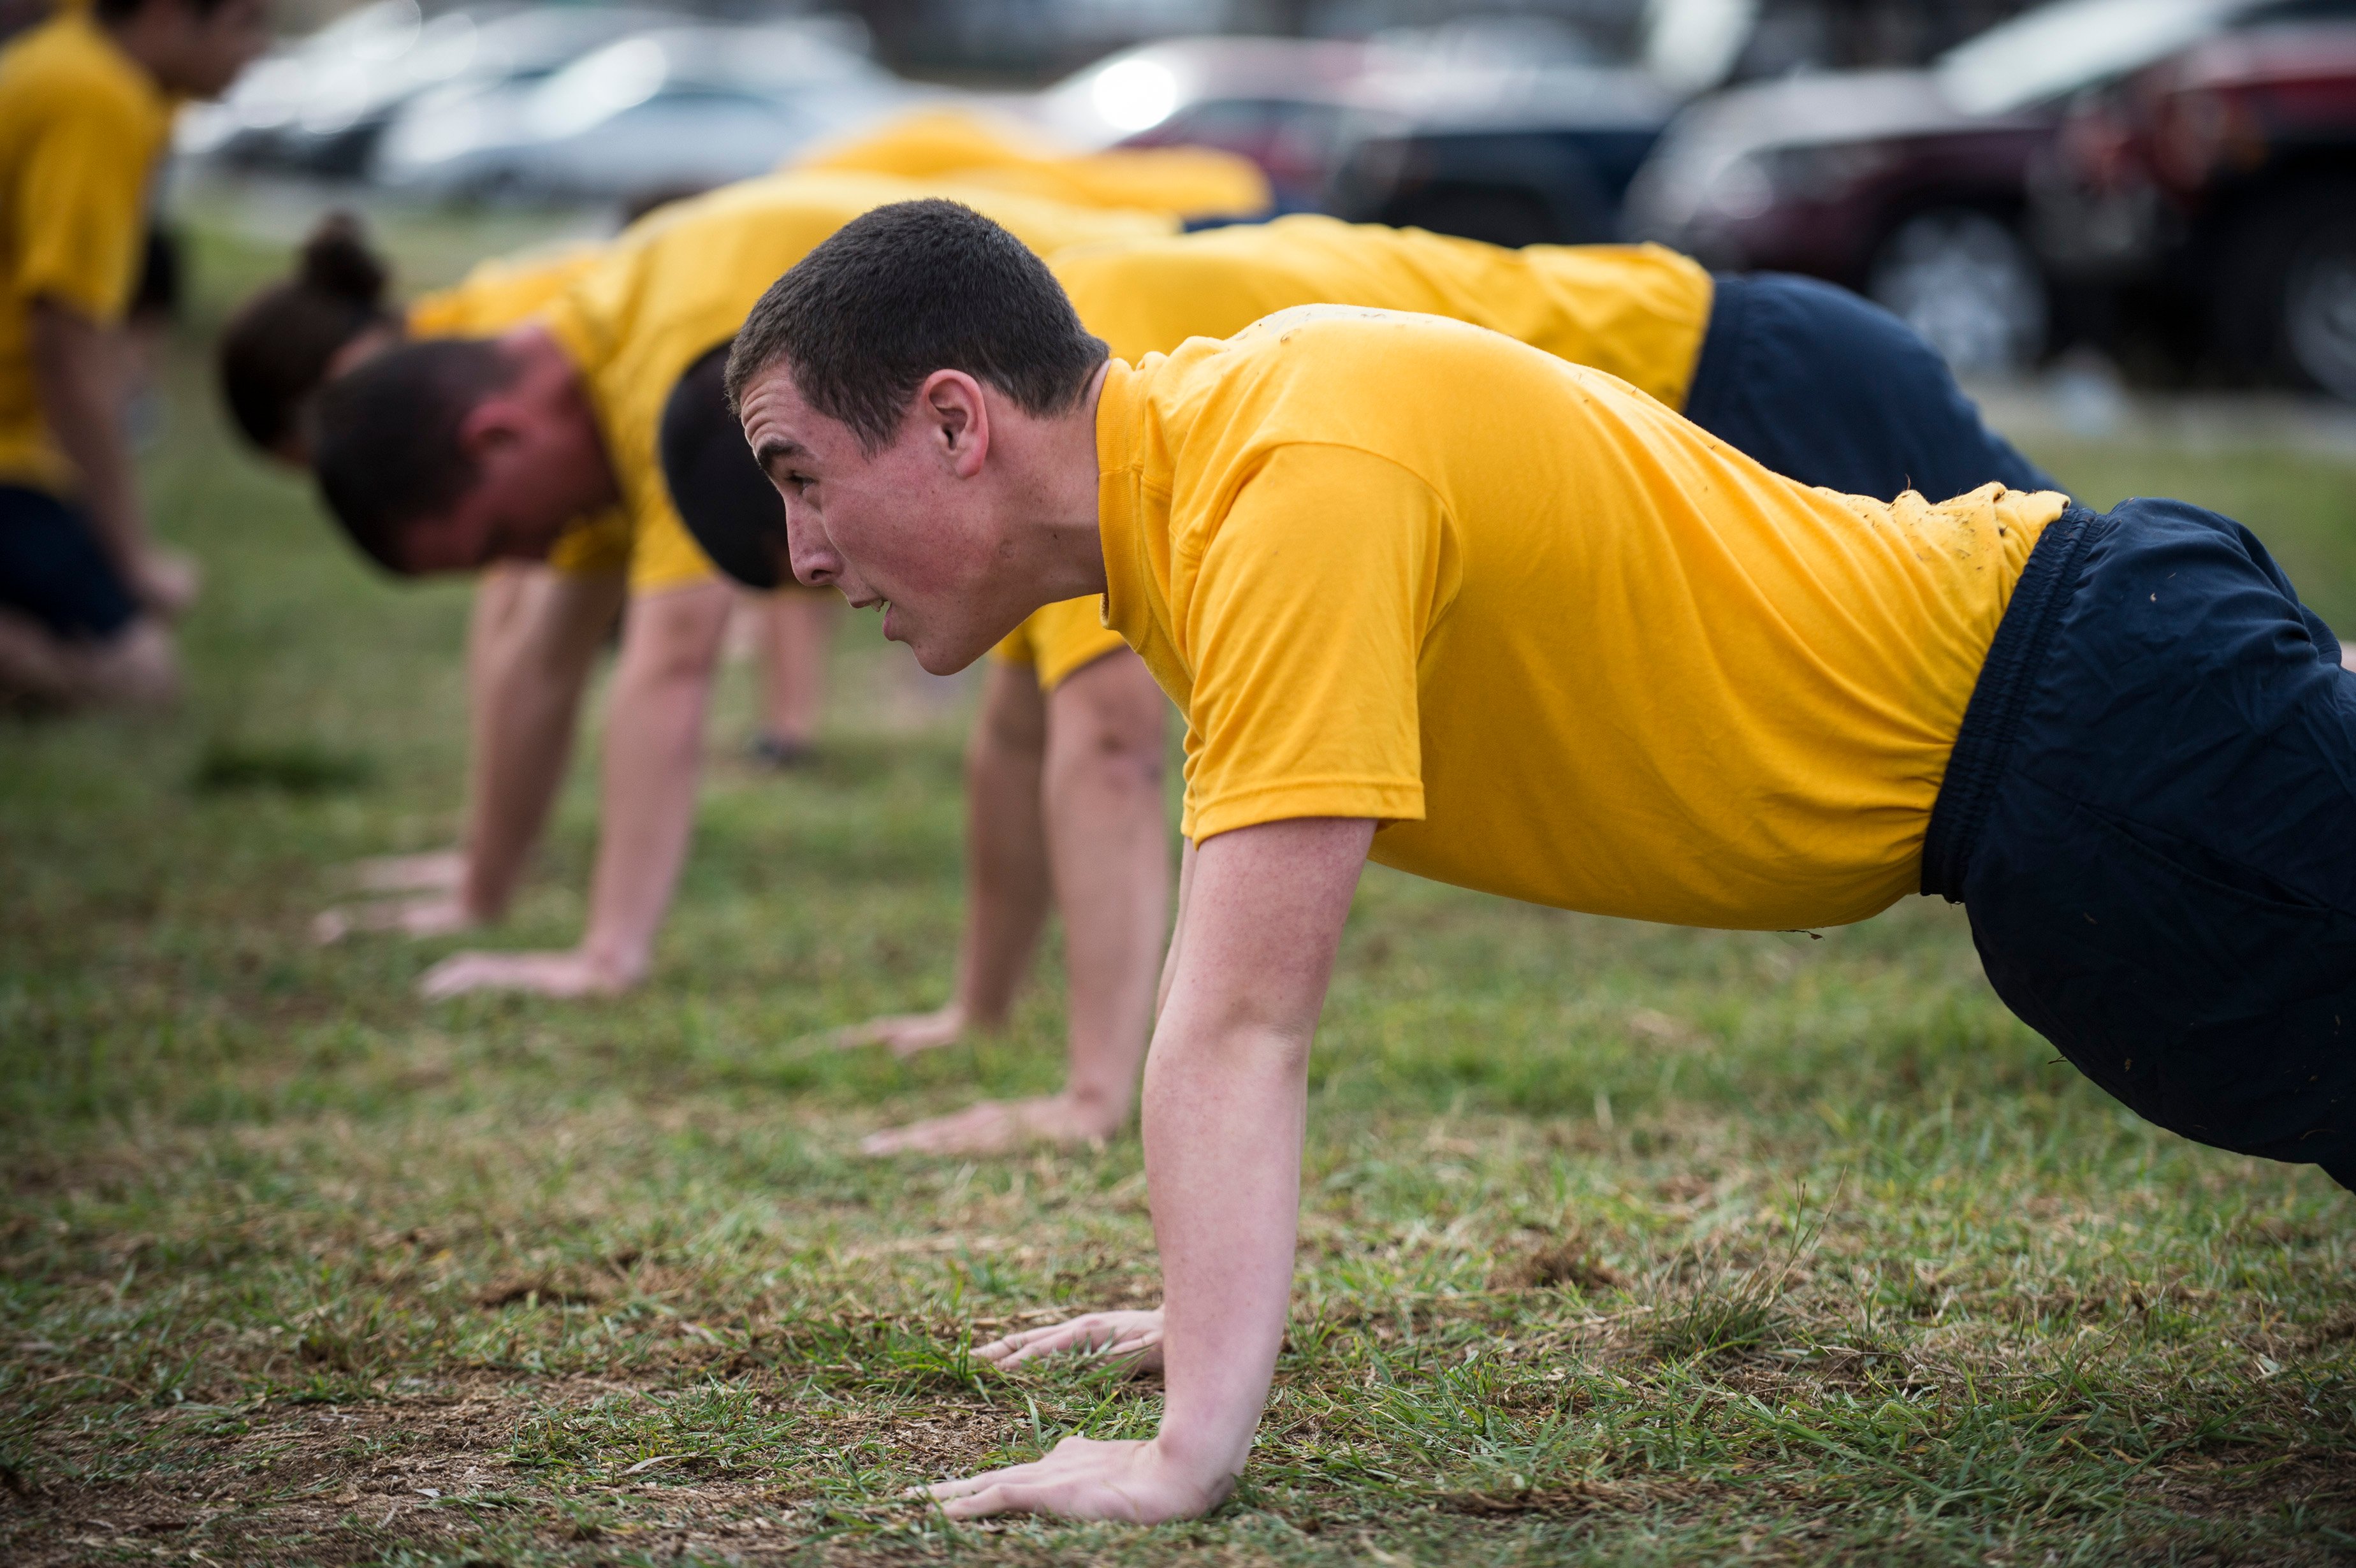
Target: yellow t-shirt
<point x="1565" y="645"/>
<point x="932" y="144"/>
<point x="503" y="292"/>
<point x="1057" y="640"/>
<point x="1638" y="312"/>
<point x="81" y="128"/>
<point x="681" y="280"/>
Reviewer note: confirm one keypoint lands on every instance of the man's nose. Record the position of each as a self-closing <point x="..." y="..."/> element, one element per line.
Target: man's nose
<point x="807" y="553"/>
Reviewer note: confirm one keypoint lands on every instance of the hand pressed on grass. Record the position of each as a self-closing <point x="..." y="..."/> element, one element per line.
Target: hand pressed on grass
<point x="908" y="1033"/>
<point x="1134" y="1482"/>
<point x="996" y="1126"/>
<point x="1135" y="1337"/>
<point x="570" y="974"/>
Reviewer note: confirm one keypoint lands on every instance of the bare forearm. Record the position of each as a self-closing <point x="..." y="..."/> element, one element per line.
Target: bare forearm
<point x="654" y="758"/>
<point x="1226" y="1098"/>
<point x="1222" y="1126"/>
<point x="534" y="639"/>
<point x="77" y="371"/>
<point x="1005" y="853"/>
<point x="1109" y="850"/>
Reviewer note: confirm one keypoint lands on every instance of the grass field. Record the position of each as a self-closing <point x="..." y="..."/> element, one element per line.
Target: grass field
<point x="1620" y="1243"/>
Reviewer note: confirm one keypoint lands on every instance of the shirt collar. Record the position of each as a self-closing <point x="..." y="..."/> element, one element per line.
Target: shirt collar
<point x="1126" y="606"/>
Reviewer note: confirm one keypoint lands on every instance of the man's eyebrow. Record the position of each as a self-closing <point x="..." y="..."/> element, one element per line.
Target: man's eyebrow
<point x="773" y="452"/>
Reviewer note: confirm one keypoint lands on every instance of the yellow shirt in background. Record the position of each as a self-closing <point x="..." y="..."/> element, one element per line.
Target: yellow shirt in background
<point x="81" y="128"/>
<point x="681" y="280"/>
<point x="1566" y="645"/>
<point x="1057" y="640"/>
<point x="931" y="144"/>
<point x="493" y="297"/>
<point x="1638" y="312"/>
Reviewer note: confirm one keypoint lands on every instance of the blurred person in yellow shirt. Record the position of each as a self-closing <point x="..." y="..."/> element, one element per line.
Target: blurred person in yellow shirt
<point x="447" y="454"/>
<point x="1196" y="184"/>
<point x="1064" y="790"/>
<point x="535" y="627"/>
<point x="85" y="115"/>
<point x="1428" y="596"/>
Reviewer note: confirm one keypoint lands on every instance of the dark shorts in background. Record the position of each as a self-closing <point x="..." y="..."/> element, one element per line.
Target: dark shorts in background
<point x="2150" y="817"/>
<point x="1831" y="390"/>
<point x="52" y="569"/>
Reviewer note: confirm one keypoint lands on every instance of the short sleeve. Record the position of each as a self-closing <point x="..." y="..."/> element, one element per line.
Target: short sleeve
<point x="80" y="205"/>
<point x="1304" y="622"/>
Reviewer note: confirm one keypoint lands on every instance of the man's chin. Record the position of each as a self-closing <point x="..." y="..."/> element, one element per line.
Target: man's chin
<point x="939" y="657"/>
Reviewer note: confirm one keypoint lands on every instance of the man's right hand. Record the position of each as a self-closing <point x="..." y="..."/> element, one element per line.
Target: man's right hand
<point x="428" y="914"/>
<point x="571" y="974"/>
<point x="908" y="1033"/>
<point x="434" y="871"/>
<point x="1135" y="1337"/>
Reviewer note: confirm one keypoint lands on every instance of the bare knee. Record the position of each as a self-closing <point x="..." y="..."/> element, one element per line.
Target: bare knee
<point x="1109" y="722"/>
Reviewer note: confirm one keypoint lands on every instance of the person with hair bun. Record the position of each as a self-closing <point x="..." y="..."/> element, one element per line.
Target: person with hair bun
<point x="448" y="453"/>
<point x="537" y="625"/>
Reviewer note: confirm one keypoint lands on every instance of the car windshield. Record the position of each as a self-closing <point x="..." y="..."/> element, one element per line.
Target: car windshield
<point x="2056" y="49"/>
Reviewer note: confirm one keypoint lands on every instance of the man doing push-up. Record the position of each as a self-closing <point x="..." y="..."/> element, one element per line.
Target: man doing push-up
<point x="1427" y="595"/>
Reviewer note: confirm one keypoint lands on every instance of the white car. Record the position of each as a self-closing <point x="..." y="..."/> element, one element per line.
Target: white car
<point x="320" y="104"/>
<point x="666" y="110"/>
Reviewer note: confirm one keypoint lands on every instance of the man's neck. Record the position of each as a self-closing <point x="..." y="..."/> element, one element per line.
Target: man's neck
<point x="1053" y="501"/>
<point x="148" y="40"/>
<point x="542" y="364"/>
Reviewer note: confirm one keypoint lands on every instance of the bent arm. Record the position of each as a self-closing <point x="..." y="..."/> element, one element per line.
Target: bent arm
<point x="1106" y="845"/>
<point x="654" y="760"/>
<point x="654" y="757"/>
<point x="532" y="653"/>
<point x="1109" y="853"/>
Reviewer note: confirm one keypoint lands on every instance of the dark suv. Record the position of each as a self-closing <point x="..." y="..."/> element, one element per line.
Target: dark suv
<point x="1910" y="186"/>
<point x="2213" y="200"/>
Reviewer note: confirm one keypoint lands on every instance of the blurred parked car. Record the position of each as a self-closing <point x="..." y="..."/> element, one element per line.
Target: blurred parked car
<point x="1509" y="131"/>
<point x="1911" y="185"/>
<point x="1282" y="102"/>
<point x="320" y="105"/>
<point x="2215" y="193"/>
<point x="675" y="109"/>
<point x="1506" y="132"/>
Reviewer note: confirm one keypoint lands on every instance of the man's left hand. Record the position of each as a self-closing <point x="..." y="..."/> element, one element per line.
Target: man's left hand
<point x="1135" y="1482"/>
<point x="573" y="974"/>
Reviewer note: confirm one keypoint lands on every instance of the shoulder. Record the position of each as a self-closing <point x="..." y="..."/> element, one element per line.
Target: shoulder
<point x="65" y="69"/>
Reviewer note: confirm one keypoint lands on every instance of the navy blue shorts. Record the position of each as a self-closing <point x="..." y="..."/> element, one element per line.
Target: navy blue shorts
<point x="52" y="569"/>
<point x="1831" y="390"/>
<point x="2150" y="818"/>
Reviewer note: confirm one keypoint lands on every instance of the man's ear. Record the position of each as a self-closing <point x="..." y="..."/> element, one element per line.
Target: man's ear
<point x="957" y="418"/>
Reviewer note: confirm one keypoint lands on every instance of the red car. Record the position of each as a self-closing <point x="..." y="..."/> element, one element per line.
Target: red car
<point x="1910" y="185"/>
<point x="2213" y="197"/>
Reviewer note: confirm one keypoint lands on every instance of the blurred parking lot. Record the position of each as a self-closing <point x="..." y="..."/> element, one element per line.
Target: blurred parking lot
<point x="2165" y="185"/>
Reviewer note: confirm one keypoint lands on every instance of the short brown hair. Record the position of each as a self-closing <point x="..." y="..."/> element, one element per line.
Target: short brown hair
<point x="906" y="289"/>
<point x="385" y="440"/>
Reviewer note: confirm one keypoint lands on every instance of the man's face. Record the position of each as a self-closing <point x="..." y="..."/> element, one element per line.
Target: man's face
<point x="210" y="49"/>
<point x="532" y="469"/>
<point x="906" y="528"/>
